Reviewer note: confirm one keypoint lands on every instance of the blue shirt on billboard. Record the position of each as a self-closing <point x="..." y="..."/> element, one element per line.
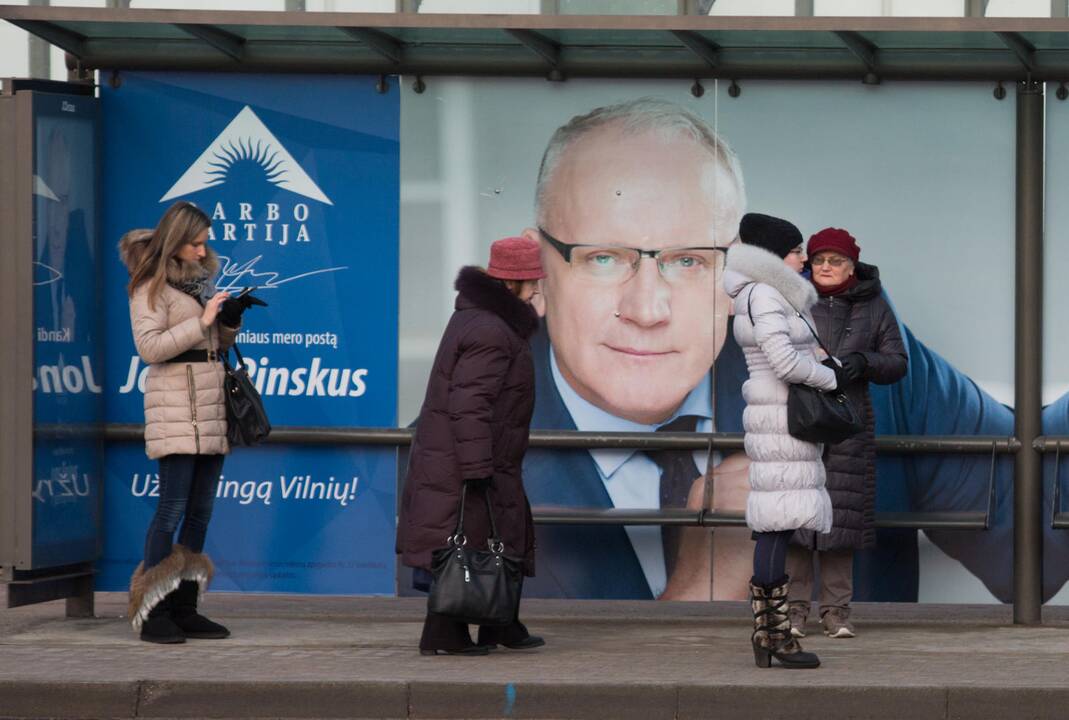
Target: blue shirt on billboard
<point x="630" y="477"/>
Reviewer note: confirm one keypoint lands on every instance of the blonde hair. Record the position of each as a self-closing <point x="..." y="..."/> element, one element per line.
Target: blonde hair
<point x="148" y="253"/>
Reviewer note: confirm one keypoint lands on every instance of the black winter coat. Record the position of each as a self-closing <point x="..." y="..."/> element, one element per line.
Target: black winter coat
<point x="859" y="320"/>
<point x="474" y="424"/>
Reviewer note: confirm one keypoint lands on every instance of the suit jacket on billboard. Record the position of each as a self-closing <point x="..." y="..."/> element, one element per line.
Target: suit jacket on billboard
<point x="595" y="561"/>
<point x="934" y="399"/>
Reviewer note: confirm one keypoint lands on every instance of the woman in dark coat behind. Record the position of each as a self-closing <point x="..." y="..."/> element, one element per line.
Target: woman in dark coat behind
<point x="473" y="429"/>
<point x="857" y="324"/>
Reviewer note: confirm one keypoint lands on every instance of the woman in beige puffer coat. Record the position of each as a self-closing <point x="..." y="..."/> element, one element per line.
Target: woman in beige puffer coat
<point x="176" y="319"/>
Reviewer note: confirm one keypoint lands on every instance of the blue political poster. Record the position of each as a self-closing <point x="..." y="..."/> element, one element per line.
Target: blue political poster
<point x="300" y="176"/>
<point x="67" y="333"/>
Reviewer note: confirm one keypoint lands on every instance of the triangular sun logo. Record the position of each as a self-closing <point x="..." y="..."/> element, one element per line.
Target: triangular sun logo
<point x="246" y="138"/>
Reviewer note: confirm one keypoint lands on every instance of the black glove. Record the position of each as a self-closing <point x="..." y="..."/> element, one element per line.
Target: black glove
<point x="230" y="312"/>
<point x="855" y="366"/>
<point x="482" y="484"/>
<point x="841" y="378"/>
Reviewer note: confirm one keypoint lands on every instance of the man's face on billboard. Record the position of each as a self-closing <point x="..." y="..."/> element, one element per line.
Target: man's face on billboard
<point x="636" y="345"/>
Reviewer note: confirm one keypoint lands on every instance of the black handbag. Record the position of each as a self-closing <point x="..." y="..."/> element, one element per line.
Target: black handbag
<point x="814" y="415"/>
<point x="246" y="419"/>
<point x="478" y="587"/>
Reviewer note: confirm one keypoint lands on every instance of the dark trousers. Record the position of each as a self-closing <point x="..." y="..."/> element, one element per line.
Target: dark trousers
<point x="770" y="557"/>
<point x="187" y="490"/>
<point x="444" y="633"/>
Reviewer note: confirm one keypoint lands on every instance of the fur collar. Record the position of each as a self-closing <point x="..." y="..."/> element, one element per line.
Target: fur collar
<point x="181" y="273"/>
<point x="482" y="291"/>
<point x="749" y="263"/>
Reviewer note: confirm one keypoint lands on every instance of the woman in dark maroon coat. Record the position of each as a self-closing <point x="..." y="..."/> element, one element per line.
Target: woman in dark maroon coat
<point x="473" y="429"/>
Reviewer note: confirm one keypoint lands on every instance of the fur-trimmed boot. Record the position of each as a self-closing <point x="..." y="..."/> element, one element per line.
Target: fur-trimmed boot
<point x="149" y="608"/>
<point x="159" y="627"/>
<point x="185" y="615"/>
<point x="772" y="628"/>
<point x="196" y="575"/>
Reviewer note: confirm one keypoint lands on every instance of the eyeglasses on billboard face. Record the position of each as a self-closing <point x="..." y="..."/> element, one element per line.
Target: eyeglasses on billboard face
<point x="618" y="264"/>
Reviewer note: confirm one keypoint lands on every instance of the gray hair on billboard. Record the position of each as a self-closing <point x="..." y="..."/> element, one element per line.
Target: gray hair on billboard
<point x="633" y="117"/>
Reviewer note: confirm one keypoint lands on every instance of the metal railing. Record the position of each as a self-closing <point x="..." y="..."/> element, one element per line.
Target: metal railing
<point x="1045" y="444"/>
<point x="571" y="439"/>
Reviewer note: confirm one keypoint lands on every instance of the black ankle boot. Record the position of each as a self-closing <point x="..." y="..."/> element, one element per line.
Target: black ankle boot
<point x="514" y="637"/>
<point x="158" y="626"/>
<point x="185" y="616"/>
<point x="772" y="628"/>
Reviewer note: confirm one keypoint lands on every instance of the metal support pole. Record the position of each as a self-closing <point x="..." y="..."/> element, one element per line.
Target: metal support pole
<point x="295" y="6"/>
<point x="40" y="52"/>
<point x="1059" y="8"/>
<point x="83" y="603"/>
<point x="1028" y="355"/>
<point x="803" y="8"/>
<point x="975" y="8"/>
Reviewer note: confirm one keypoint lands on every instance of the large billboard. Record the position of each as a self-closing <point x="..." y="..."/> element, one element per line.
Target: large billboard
<point x="300" y="178"/>
<point x="919" y="173"/>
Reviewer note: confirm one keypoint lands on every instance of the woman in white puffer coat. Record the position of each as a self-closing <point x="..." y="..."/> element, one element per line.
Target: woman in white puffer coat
<point x="772" y="302"/>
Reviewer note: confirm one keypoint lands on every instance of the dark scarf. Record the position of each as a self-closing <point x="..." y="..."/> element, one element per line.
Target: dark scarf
<point x="196" y="289"/>
<point x="846" y="286"/>
<point x="193" y="279"/>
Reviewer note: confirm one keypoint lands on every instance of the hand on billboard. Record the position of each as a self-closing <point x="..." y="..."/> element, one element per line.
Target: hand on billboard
<point x="728" y="553"/>
<point x="211" y="309"/>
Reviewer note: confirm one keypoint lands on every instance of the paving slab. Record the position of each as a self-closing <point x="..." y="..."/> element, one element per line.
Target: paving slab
<point x="330" y="657"/>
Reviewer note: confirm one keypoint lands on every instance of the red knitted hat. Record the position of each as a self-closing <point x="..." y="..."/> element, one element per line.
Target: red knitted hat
<point x="835" y="239"/>
<point x="515" y="258"/>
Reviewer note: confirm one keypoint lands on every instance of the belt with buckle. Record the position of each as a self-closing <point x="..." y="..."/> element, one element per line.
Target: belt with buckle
<point x="195" y="356"/>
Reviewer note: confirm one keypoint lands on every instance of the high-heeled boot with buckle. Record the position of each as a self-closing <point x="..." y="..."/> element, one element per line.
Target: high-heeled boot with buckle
<point x="772" y="629"/>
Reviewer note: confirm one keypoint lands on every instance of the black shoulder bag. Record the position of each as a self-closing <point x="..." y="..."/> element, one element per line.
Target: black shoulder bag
<point x="246" y="420"/>
<point x="479" y="587"/>
<point x="812" y="414"/>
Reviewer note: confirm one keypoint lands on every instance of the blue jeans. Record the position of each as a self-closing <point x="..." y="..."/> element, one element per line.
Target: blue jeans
<point x="187" y="488"/>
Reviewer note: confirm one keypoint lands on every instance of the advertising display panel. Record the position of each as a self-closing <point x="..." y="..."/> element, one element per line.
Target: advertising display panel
<point x="917" y="173"/>
<point x="68" y="332"/>
<point x="299" y="176"/>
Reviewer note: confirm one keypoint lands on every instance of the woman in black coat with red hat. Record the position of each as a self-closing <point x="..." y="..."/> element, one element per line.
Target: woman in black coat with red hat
<point x="857" y="324"/>
<point x="473" y="429"/>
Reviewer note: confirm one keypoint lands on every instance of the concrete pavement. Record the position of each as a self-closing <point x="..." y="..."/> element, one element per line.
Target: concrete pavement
<point x="298" y="657"/>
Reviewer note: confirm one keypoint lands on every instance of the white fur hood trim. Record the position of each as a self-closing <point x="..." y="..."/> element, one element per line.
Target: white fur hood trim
<point x="749" y="263"/>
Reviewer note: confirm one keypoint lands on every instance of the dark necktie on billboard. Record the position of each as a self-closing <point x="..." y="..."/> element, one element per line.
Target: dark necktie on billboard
<point x="678" y="473"/>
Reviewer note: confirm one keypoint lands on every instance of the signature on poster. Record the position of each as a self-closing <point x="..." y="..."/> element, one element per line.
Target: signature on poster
<point x="236" y="275"/>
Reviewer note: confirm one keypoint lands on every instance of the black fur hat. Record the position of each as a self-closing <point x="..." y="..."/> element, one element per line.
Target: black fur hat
<point x="774" y="234"/>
